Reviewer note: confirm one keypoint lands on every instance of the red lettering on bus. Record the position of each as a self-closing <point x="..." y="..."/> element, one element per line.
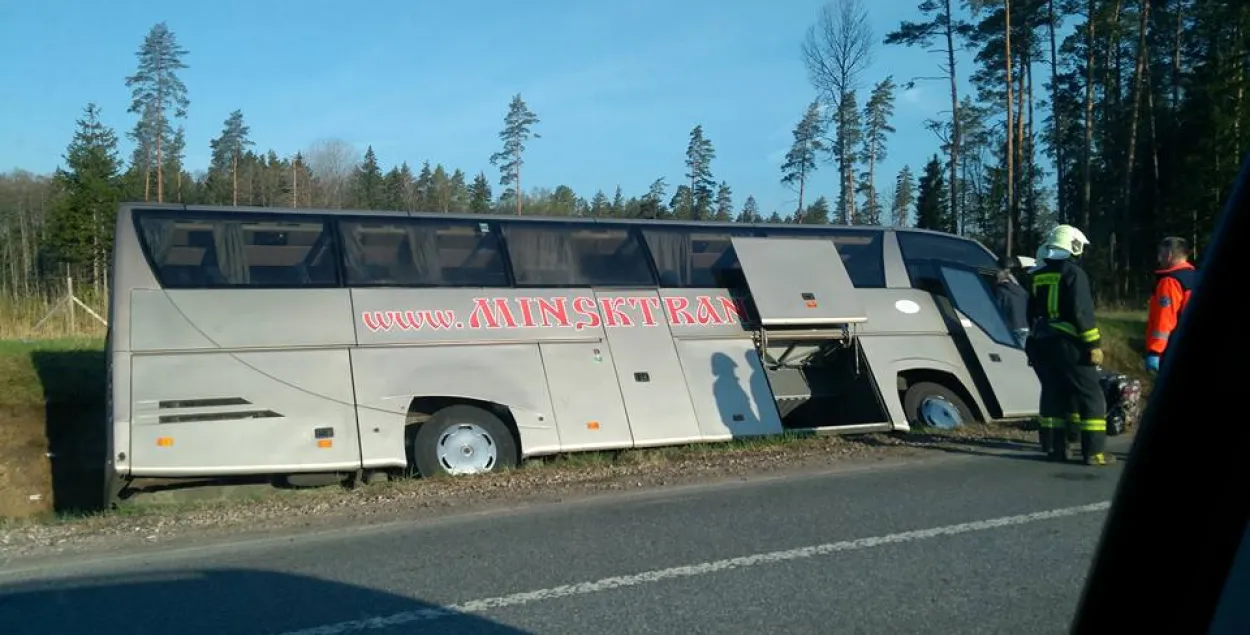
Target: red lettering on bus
<point x="678" y="311"/>
<point x="647" y="305"/>
<point x="376" y="321"/>
<point x="587" y="312"/>
<point x="734" y="310"/>
<point x="493" y="311"/>
<point x="612" y="313"/>
<point x="527" y="312"/>
<point x="554" y="311"/>
<point x="706" y="314"/>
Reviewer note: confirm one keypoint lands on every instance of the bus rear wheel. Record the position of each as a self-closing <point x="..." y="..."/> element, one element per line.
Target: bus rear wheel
<point x="462" y="440"/>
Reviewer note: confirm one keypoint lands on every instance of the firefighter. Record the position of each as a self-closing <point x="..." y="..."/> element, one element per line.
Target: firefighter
<point x="1175" y="280"/>
<point x="1064" y="347"/>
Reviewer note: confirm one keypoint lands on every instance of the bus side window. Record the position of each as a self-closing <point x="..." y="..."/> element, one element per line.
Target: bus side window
<point x="688" y="257"/>
<point x="422" y="252"/>
<point x="565" y="255"/>
<point x="249" y="250"/>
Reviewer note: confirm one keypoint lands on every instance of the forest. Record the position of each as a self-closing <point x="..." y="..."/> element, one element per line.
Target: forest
<point x="1127" y="118"/>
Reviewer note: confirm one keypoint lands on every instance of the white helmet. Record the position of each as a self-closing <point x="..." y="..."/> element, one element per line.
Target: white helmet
<point x="1066" y="238"/>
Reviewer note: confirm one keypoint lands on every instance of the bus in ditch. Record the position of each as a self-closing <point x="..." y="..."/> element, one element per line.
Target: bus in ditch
<point x="269" y="341"/>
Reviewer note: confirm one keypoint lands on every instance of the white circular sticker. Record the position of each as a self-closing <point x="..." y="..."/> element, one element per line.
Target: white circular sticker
<point x="907" y="306"/>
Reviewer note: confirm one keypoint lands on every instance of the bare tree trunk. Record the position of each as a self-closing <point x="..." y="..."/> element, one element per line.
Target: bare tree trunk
<point x="234" y="179"/>
<point x="1030" y="155"/>
<point x="1126" y="258"/>
<point x="1021" y="185"/>
<point x="294" y="184"/>
<point x="872" y="184"/>
<point x="956" y="125"/>
<point x="1010" y="154"/>
<point x="519" y="195"/>
<point x="1088" y="159"/>
<point x="1057" y="129"/>
<point x="147" y="176"/>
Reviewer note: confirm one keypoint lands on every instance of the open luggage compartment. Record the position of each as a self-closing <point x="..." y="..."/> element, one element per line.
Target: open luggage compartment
<point x="807" y="314"/>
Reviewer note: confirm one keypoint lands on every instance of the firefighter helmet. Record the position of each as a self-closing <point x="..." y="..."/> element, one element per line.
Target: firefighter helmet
<point x="1067" y="238"/>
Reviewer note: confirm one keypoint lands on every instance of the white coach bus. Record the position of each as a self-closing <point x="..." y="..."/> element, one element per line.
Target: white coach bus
<point x="263" y="341"/>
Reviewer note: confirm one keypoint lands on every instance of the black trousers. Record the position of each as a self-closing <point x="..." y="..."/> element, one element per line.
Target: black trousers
<point x="1072" y="397"/>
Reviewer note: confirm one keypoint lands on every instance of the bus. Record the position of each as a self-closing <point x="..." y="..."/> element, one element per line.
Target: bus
<point x="287" y="342"/>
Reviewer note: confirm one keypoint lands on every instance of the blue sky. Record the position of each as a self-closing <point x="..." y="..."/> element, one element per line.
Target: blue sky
<point x="617" y="86"/>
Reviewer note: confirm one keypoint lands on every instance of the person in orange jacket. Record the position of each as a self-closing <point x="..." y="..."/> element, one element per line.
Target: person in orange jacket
<point x="1175" y="280"/>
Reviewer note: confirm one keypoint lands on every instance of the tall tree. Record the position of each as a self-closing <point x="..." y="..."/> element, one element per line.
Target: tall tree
<point x="816" y="214"/>
<point x="517" y="129"/>
<point x="877" y="114"/>
<point x="699" y="156"/>
<point x="750" y="211"/>
<point x="724" y="202"/>
<point x="80" y="226"/>
<point x="653" y="201"/>
<point x="367" y="185"/>
<point x="904" y="196"/>
<point x="931" y="207"/>
<point x="800" y="161"/>
<point x="848" y="143"/>
<point x="837" y="49"/>
<point x="228" y="150"/>
<point x="156" y="91"/>
<point x="942" y="24"/>
<point x="480" y="196"/>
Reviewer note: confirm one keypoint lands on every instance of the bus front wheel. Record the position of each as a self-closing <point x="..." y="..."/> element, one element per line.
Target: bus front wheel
<point x="933" y="405"/>
<point x="461" y="440"/>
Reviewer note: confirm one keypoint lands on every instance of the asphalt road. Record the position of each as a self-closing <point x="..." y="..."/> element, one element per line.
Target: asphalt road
<point x="967" y="544"/>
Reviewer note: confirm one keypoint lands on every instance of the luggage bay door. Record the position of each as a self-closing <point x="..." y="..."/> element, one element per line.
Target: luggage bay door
<point x="798" y="284"/>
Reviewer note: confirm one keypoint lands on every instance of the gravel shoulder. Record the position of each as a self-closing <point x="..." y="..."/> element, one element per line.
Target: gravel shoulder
<point x="144" y="525"/>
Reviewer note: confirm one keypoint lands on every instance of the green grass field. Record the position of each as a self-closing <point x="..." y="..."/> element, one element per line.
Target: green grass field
<point x="52" y="400"/>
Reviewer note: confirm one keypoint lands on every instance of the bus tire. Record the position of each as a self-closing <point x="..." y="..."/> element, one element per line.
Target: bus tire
<point x="932" y="405"/>
<point x="461" y="440"/>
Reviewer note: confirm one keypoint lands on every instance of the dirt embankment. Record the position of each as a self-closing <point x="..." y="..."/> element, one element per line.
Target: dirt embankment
<point x="51" y="426"/>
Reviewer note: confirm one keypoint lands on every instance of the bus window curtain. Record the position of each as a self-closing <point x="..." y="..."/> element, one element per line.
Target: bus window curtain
<point x="674" y="256"/>
<point x="231" y="253"/>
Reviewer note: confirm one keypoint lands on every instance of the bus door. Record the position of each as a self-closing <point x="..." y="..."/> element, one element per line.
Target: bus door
<point x="804" y="301"/>
<point x="997" y="356"/>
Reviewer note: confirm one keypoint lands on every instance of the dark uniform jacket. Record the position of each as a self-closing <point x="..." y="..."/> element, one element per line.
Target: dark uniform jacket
<point x="1062" y="303"/>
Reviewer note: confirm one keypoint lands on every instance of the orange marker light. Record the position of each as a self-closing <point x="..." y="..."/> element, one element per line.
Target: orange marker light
<point x="164" y="442"/>
<point x="325" y="443"/>
<point x="811" y="304"/>
<point x="592" y="425"/>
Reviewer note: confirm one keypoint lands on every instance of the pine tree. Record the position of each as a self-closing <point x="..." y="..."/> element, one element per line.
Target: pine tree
<point x="801" y="159"/>
<point x="228" y="150"/>
<point x="724" y="202"/>
<point x="816" y="214"/>
<point x="81" y="221"/>
<point x="931" y="204"/>
<point x="750" y="211"/>
<point x="367" y="187"/>
<point x="517" y="129"/>
<point x="599" y="205"/>
<point x="480" y="196"/>
<point x="653" y="202"/>
<point x="877" y="128"/>
<point x="904" y="196"/>
<point x="699" y="195"/>
<point x="156" y="91"/>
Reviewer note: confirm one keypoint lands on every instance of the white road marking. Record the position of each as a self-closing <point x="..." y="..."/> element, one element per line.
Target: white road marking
<point x="617" y="582"/>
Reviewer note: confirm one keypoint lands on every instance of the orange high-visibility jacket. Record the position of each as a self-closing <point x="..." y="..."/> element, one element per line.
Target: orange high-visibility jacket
<point x="1172" y="290"/>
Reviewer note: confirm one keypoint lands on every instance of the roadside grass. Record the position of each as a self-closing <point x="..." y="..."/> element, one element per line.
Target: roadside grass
<point x="52" y="401"/>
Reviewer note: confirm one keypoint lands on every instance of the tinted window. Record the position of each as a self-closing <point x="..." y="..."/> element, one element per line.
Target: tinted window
<point x="860" y="250"/>
<point x="558" y="255"/>
<point x="916" y="246"/>
<point x="971" y="295"/>
<point x="422" y="253"/>
<point x="695" y="258"/>
<point x="191" y="252"/>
